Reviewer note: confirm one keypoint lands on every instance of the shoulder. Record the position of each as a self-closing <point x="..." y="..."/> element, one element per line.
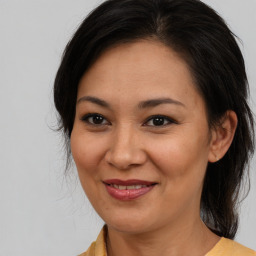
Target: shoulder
<point x="97" y="248"/>
<point x="227" y="247"/>
<point x="90" y="251"/>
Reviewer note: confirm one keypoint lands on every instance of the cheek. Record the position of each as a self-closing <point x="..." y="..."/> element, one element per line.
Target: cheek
<point x="180" y="156"/>
<point x="87" y="152"/>
<point x="182" y="165"/>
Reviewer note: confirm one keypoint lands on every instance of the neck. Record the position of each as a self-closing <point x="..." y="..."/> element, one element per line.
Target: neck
<point x="192" y="239"/>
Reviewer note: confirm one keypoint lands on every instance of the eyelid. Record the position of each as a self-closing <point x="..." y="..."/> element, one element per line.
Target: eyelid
<point x="85" y="118"/>
<point x="170" y="121"/>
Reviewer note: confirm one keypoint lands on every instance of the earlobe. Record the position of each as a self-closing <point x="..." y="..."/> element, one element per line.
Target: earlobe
<point x="222" y="136"/>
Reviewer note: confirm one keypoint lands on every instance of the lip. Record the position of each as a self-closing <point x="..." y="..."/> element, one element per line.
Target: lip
<point x="128" y="194"/>
<point x="129" y="182"/>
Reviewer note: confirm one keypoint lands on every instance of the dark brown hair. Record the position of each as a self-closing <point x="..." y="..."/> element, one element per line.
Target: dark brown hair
<point x="201" y="37"/>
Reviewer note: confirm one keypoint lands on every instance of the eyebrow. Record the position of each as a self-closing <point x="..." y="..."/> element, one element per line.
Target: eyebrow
<point x="155" y="102"/>
<point x="143" y="104"/>
<point x="95" y="100"/>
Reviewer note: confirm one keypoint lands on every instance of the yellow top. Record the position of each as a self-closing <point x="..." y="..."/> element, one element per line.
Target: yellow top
<point x="225" y="247"/>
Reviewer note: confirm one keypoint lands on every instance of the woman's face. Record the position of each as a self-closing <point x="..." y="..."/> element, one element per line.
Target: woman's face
<point x="141" y="140"/>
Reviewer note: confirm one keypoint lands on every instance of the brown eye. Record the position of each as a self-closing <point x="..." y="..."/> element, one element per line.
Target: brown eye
<point x="159" y="121"/>
<point x="95" y="119"/>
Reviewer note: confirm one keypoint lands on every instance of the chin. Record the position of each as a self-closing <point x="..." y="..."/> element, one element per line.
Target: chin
<point x="128" y="228"/>
<point x="128" y="224"/>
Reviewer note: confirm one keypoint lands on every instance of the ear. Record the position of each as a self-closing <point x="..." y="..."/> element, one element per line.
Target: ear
<point x="222" y="136"/>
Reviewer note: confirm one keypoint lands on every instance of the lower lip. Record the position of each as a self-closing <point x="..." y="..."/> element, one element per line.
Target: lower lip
<point x="127" y="194"/>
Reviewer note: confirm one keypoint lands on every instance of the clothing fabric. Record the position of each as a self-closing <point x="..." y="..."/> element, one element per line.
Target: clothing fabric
<point x="225" y="247"/>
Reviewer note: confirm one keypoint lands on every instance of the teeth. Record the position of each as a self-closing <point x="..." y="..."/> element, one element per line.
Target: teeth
<point x="131" y="187"/>
<point x="121" y="187"/>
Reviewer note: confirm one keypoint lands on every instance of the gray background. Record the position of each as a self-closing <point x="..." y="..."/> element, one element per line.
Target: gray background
<point x="42" y="212"/>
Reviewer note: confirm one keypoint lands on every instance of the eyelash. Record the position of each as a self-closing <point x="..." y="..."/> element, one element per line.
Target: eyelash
<point x="167" y="120"/>
<point x="93" y="115"/>
<point x="164" y="118"/>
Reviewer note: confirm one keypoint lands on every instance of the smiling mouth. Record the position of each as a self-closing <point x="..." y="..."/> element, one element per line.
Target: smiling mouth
<point x="129" y="189"/>
<point x="121" y="187"/>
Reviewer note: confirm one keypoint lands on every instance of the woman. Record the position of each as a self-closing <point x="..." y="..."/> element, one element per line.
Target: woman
<point x="152" y="97"/>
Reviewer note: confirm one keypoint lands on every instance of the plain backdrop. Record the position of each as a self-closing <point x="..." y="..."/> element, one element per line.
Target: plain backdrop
<point x="42" y="212"/>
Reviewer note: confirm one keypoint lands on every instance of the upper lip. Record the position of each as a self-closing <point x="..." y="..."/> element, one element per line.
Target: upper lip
<point x="129" y="182"/>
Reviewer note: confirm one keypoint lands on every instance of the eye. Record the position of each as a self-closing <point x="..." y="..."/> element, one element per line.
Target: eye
<point x="95" y="119"/>
<point x="159" y="120"/>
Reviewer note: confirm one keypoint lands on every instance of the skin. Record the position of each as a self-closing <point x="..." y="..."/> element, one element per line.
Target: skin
<point x="128" y="145"/>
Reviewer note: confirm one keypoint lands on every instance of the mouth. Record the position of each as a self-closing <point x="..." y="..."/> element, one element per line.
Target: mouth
<point x="129" y="189"/>
<point x="121" y="187"/>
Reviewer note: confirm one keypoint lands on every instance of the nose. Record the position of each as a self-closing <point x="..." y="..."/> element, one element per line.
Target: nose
<point x="126" y="149"/>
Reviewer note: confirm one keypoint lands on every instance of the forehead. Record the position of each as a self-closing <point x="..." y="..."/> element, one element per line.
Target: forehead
<point x="142" y="69"/>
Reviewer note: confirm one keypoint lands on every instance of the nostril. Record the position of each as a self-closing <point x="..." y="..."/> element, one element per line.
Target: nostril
<point x="118" y="158"/>
<point x="125" y="150"/>
<point x="124" y="160"/>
